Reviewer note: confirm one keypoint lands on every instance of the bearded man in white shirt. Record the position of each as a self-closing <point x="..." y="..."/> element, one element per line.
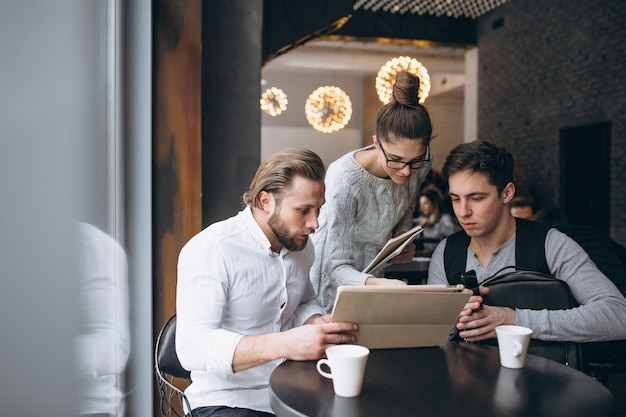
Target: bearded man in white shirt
<point x="244" y="299"/>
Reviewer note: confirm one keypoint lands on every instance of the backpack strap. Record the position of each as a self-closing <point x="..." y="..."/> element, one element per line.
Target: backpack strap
<point x="455" y="256"/>
<point x="530" y="250"/>
<point x="530" y="245"/>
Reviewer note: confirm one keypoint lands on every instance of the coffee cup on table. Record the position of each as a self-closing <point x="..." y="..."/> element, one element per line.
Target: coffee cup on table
<point x="346" y="367"/>
<point x="513" y="344"/>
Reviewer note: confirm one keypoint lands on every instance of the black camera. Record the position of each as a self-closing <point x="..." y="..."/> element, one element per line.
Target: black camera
<point x="470" y="281"/>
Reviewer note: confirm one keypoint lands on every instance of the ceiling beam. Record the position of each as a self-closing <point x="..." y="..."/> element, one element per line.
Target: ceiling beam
<point x="410" y="27"/>
<point x="290" y="23"/>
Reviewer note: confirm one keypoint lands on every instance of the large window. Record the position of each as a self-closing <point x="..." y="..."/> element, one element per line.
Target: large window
<point x="70" y="309"/>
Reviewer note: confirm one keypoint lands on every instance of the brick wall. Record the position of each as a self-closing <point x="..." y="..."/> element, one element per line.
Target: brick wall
<point x="547" y="65"/>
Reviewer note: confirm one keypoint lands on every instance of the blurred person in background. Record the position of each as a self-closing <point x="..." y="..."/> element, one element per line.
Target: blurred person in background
<point x="437" y="224"/>
<point x="523" y="206"/>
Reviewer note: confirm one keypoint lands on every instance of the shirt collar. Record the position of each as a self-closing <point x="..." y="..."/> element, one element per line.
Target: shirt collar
<point x="257" y="233"/>
<point x="505" y="245"/>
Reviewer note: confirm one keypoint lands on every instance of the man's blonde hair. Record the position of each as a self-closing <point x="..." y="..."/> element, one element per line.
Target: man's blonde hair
<point x="275" y="175"/>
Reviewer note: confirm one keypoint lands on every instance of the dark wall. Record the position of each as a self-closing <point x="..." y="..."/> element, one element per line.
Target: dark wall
<point x="544" y="66"/>
<point x="231" y="119"/>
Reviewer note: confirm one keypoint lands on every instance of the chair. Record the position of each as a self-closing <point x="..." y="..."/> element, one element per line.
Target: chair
<point x="167" y="368"/>
<point x="533" y="290"/>
<point x="602" y="359"/>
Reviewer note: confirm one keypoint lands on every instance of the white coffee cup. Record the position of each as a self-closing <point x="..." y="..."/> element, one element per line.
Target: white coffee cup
<point x="513" y="344"/>
<point x="347" y="367"/>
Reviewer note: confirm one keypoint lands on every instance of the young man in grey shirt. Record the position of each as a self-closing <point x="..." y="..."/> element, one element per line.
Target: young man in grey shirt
<point x="480" y="178"/>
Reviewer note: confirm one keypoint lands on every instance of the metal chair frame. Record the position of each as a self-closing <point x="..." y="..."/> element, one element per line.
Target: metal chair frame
<point x="170" y="395"/>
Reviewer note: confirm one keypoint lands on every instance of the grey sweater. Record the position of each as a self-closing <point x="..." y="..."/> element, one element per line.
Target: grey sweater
<point x="361" y="213"/>
<point x="602" y="311"/>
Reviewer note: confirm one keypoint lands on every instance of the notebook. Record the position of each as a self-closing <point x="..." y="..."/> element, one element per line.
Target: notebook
<point x="392" y="248"/>
<point x="400" y="316"/>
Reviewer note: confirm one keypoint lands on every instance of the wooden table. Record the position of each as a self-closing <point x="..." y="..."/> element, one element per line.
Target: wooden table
<point x="460" y="379"/>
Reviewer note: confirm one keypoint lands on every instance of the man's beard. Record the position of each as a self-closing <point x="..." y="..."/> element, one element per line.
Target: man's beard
<point x="278" y="227"/>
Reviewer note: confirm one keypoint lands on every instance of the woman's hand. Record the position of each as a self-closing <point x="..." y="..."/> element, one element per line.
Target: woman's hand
<point x="405" y="256"/>
<point x="384" y="281"/>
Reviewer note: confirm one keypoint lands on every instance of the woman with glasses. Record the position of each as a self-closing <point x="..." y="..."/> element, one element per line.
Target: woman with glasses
<point x="371" y="194"/>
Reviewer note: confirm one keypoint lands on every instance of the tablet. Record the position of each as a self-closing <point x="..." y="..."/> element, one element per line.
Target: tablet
<point x="400" y="316"/>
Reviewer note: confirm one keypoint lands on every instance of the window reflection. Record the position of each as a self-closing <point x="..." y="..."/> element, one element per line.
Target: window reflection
<point x="103" y="342"/>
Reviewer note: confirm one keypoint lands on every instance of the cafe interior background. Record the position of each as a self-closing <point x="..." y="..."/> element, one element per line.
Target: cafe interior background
<point x="143" y="119"/>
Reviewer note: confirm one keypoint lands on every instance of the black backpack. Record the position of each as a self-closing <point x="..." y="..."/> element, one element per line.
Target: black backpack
<point x="530" y="253"/>
<point x="528" y="285"/>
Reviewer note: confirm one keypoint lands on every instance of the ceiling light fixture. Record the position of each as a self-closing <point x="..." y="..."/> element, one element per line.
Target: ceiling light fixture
<point x="387" y="77"/>
<point x="328" y="109"/>
<point x="274" y="101"/>
<point x="451" y="8"/>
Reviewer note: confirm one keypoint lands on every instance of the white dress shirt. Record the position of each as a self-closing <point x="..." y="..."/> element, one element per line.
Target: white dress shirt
<point x="231" y="284"/>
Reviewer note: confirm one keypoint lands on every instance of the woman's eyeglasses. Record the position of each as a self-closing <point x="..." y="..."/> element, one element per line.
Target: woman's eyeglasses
<point x="417" y="163"/>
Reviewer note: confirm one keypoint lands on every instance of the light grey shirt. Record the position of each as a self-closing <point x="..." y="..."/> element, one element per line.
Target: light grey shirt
<point x="361" y="213"/>
<point x="602" y="312"/>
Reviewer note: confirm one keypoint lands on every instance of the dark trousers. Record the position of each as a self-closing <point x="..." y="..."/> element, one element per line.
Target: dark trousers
<point x="222" y="411"/>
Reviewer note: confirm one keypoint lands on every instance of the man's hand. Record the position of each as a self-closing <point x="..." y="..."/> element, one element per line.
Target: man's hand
<point x="306" y="342"/>
<point x="475" y="301"/>
<point x="309" y="342"/>
<point x="318" y="319"/>
<point x="480" y="325"/>
<point x="476" y="324"/>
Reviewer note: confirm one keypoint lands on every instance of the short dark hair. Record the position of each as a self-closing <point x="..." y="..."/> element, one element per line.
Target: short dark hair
<point x="484" y="157"/>
<point x="275" y="175"/>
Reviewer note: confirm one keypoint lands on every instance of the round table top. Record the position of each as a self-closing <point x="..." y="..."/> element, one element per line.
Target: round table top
<point x="459" y="379"/>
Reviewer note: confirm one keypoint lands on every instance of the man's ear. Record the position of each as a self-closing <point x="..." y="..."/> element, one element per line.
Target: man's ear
<point x="266" y="201"/>
<point x="508" y="193"/>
